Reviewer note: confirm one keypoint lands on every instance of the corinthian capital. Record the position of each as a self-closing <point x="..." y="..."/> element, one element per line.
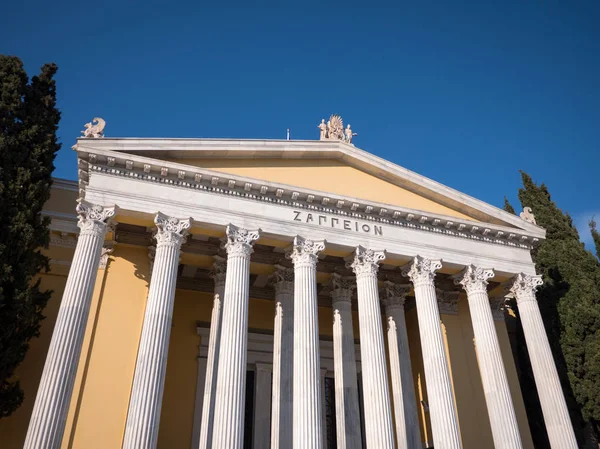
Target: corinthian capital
<point x="219" y="271"/>
<point x="239" y="240"/>
<point x="523" y="286"/>
<point x="474" y="279"/>
<point x="282" y="280"/>
<point x="171" y="230"/>
<point x="421" y="270"/>
<point x="393" y="295"/>
<point x="341" y="287"/>
<point x="305" y="251"/>
<point x="365" y="261"/>
<point x="93" y="218"/>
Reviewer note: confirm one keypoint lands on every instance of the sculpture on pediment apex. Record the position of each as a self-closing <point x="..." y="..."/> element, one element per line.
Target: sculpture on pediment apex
<point x="527" y="215"/>
<point x="94" y="129"/>
<point x="323" y="130"/>
<point x="349" y="134"/>
<point x="335" y="128"/>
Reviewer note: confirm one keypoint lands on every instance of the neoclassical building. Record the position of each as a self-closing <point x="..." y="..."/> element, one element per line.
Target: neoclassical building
<point x="219" y="293"/>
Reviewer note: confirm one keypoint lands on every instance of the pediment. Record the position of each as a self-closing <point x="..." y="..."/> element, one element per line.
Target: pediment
<point x="325" y="167"/>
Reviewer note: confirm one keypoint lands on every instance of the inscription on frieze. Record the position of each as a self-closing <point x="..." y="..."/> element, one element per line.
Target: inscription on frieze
<point x="337" y="223"/>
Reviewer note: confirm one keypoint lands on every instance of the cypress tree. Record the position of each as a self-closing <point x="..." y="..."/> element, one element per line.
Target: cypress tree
<point x="595" y="236"/>
<point x="28" y="145"/>
<point x="508" y="207"/>
<point x="569" y="302"/>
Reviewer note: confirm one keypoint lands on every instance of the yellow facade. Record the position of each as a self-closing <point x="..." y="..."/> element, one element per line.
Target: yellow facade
<point x="326" y="175"/>
<point x="100" y="399"/>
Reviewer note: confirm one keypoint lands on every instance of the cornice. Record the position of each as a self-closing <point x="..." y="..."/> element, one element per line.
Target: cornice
<point x="145" y="169"/>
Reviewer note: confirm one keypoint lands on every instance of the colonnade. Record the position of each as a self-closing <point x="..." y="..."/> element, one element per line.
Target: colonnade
<point x="296" y="419"/>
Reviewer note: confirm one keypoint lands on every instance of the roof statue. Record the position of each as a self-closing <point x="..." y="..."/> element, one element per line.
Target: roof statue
<point x="334" y="130"/>
<point x="95" y="128"/>
<point x="527" y="215"/>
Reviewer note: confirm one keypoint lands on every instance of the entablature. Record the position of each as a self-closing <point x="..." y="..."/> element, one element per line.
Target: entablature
<point x="308" y="201"/>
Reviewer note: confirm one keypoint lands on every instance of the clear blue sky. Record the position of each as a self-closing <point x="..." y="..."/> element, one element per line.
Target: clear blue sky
<point x="466" y="93"/>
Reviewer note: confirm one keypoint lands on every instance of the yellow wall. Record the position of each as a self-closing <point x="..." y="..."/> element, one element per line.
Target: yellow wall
<point x="416" y="361"/>
<point x="104" y="396"/>
<point x="466" y="379"/>
<point x="468" y="390"/>
<point x="513" y="382"/>
<point x="326" y="175"/>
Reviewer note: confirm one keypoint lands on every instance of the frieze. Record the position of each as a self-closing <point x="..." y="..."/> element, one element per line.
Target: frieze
<point x="314" y="204"/>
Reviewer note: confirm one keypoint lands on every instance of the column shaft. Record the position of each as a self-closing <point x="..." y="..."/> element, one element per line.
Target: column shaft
<point x="212" y="362"/>
<point x="444" y="422"/>
<point x="323" y="407"/>
<point x="405" y="402"/>
<point x="344" y="360"/>
<point x="379" y="429"/>
<point x="552" y="400"/>
<point x="199" y="401"/>
<point x="143" y="417"/>
<point x="503" y="420"/>
<point x="228" y="428"/>
<point x="308" y="429"/>
<point x="283" y="360"/>
<point x="49" y="414"/>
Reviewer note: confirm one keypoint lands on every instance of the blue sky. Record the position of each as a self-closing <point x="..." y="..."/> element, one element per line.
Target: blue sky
<point x="466" y="93"/>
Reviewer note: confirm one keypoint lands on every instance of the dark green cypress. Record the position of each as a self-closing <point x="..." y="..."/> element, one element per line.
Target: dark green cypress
<point x="595" y="236"/>
<point x="508" y="207"/>
<point x="569" y="302"/>
<point x="28" y="145"/>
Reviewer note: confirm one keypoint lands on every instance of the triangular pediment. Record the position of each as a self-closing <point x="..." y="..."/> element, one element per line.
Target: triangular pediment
<point x="328" y="167"/>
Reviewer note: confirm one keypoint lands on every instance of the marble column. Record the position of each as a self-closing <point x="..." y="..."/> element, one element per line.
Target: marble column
<point x="308" y="428"/>
<point x="143" y="417"/>
<point x="442" y="411"/>
<point x="323" y="407"/>
<point x="379" y="430"/>
<point x="228" y="427"/>
<point x="347" y="409"/>
<point x="408" y="435"/>
<point x="47" y="423"/>
<point x="212" y="362"/>
<point x="498" y="398"/>
<point x="262" y="405"/>
<point x="283" y="359"/>
<point x="552" y="400"/>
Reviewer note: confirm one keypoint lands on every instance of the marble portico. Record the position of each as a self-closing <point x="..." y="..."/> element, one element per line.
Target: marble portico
<point x="371" y="262"/>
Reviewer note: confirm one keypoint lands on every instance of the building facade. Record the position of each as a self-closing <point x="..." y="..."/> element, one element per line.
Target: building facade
<point x="215" y="293"/>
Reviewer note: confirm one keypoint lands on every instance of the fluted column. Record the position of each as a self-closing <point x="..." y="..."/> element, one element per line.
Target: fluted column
<point x="212" y="362"/>
<point x="283" y="359"/>
<point x="498" y="398"/>
<point x="442" y="412"/>
<point x="347" y="409"/>
<point x="49" y="414"/>
<point x="405" y="402"/>
<point x="379" y="430"/>
<point x="552" y="400"/>
<point x="308" y="429"/>
<point x="323" y="407"/>
<point x="228" y="428"/>
<point x="143" y="417"/>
